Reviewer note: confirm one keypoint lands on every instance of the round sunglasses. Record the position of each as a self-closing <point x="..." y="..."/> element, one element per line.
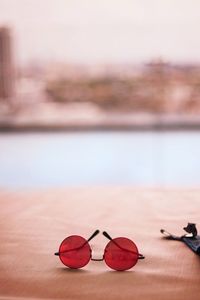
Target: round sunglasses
<point x="120" y="253"/>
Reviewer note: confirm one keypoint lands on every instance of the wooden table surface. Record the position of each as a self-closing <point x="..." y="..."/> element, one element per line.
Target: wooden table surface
<point x="33" y="223"/>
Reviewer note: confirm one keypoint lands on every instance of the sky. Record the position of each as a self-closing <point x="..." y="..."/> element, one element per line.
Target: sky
<point x="103" y="31"/>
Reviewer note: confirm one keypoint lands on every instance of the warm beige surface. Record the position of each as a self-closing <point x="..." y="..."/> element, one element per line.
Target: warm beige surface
<point x="32" y="225"/>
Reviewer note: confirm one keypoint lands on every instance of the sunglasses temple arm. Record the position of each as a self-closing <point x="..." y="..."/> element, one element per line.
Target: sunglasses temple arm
<point x="90" y="238"/>
<point x="93" y="235"/>
<point x="107" y="235"/>
<point x="140" y="256"/>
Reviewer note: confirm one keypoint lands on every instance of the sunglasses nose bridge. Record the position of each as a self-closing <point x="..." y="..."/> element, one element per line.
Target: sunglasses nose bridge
<point x="97" y="259"/>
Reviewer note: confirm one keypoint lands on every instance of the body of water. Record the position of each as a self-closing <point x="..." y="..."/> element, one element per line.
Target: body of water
<point x="100" y="158"/>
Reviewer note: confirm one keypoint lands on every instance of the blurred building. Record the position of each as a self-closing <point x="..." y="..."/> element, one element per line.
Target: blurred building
<point x="6" y="65"/>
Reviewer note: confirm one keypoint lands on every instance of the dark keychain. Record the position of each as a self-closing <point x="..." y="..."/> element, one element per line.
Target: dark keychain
<point x="191" y="239"/>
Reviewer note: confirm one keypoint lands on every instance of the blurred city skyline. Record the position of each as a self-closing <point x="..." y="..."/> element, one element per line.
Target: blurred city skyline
<point x="100" y="32"/>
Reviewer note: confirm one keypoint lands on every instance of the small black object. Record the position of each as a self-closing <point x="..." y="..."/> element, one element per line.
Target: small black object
<point x="191" y="239"/>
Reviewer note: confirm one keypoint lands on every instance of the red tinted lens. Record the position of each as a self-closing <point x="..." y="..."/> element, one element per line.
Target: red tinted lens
<point x="75" y="252"/>
<point x="121" y="254"/>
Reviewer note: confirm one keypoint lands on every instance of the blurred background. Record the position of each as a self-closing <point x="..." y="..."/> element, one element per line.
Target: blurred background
<point x="102" y="92"/>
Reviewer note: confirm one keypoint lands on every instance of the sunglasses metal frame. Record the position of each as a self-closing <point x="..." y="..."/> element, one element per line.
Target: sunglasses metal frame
<point x="140" y="256"/>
